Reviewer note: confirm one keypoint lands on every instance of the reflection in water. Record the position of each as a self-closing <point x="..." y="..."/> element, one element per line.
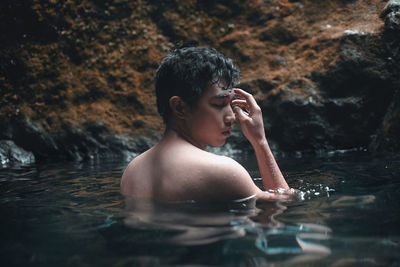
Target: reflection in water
<point x="307" y="236"/>
<point x="74" y="214"/>
<point x="193" y="224"/>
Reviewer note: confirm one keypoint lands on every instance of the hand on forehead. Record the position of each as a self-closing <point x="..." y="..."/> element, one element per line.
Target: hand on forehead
<point x="243" y="99"/>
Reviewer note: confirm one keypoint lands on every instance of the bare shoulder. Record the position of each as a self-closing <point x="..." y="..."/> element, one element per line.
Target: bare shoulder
<point x="132" y="177"/>
<point x="227" y="178"/>
<point x="133" y="164"/>
<point x="225" y="165"/>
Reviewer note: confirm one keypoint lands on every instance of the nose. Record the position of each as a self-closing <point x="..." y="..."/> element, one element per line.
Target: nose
<point x="229" y="115"/>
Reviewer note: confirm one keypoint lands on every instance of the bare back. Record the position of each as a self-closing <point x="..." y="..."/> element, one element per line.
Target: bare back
<point x="176" y="170"/>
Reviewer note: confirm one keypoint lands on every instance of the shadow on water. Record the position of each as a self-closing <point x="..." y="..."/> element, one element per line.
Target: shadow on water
<point x="73" y="215"/>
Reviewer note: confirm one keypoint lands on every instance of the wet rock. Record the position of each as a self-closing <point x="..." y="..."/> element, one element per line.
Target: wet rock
<point x="95" y="141"/>
<point x="391" y="15"/>
<point x="32" y="137"/>
<point x="92" y="141"/>
<point x="76" y="77"/>
<point x="11" y="154"/>
<point x="387" y="136"/>
<point x="300" y="124"/>
<point x="360" y="70"/>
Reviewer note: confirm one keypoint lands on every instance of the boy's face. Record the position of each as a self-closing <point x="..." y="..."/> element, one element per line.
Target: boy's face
<point x="210" y="121"/>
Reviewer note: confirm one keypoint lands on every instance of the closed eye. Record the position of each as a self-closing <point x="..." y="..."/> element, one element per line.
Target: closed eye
<point x="219" y="105"/>
<point x="221" y="100"/>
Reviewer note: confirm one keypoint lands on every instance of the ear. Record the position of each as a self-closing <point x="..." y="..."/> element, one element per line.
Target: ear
<point x="178" y="107"/>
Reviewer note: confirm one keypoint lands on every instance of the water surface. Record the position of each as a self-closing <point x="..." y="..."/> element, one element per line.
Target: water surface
<point x="72" y="214"/>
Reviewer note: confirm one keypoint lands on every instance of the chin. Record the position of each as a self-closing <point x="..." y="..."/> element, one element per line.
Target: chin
<point x="219" y="144"/>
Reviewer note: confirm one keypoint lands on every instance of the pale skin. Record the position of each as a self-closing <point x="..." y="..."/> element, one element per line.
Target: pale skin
<point x="178" y="168"/>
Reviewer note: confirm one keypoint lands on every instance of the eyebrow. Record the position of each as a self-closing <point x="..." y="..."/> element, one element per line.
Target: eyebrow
<point x="219" y="96"/>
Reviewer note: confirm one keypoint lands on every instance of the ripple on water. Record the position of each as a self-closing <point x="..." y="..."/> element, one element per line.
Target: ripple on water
<point x="348" y="214"/>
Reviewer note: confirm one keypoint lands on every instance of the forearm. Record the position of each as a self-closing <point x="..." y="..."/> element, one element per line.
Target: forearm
<point x="252" y="125"/>
<point x="272" y="177"/>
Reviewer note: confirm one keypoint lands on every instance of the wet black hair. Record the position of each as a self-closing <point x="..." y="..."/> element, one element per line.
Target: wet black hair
<point x="187" y="72"/>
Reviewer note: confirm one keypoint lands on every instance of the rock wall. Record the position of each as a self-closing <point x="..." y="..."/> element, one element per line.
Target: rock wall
<point x="76" y="76"/>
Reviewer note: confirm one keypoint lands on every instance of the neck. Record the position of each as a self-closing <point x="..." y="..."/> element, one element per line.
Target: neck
<point x="181" y="132"/>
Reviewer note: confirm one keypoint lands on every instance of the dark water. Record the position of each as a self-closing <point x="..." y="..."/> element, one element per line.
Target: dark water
<point x="70" y="214"/>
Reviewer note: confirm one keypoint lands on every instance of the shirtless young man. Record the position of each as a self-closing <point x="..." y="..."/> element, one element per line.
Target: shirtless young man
<point x="198" y="104"/>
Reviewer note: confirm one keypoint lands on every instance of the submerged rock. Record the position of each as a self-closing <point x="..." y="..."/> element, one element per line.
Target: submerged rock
<point x="11" y="154"/>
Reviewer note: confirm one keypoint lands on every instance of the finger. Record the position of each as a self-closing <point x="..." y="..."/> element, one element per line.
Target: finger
<point x="248" y="97"/>
<point x="245" y="111"/>
<point x="240" y="103"/>
<point x="240" y="114"/>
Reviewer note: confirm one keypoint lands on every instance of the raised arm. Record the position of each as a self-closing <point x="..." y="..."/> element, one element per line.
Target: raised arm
<point x="251" y="121"/>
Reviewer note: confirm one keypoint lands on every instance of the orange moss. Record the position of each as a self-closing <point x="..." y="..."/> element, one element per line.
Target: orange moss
<point x="101" y="65"/>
